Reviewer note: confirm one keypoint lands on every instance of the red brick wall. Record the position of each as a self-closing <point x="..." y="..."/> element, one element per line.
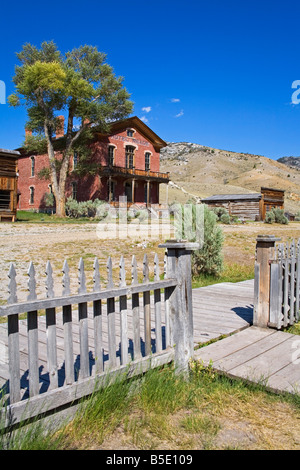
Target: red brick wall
<point x="90" y="187"/>
<point x="25" y="180"/>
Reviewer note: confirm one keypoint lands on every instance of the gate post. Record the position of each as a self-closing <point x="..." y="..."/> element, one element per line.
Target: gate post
<point x="178" y="266"/>
<point x="265" y="251"/>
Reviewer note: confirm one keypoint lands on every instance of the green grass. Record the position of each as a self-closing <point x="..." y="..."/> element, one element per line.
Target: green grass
<point x="162" y="409"/>
<point x="233" y="272"/>
<point x="39" y="217"/>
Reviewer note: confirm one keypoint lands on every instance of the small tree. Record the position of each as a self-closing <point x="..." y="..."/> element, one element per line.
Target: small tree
<point x="79" y="84"/>
<point x="208" y="259"/>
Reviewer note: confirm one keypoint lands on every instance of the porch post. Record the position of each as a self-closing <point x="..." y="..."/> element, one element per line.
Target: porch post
<point x="178" y="266"/>
<point x="265" y="250"/>
<point x="148" y="192"/>
<point x="109" y="189"/>
<point x="132" y="190"/>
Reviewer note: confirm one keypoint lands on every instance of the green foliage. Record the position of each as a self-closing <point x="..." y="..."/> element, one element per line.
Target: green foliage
<point x="297" y="217"/>
<point x="208" y="259"/>
<point x="79" y="84"/>
<point x="225" y="219"/>
<point x="92" y="209"/>
<point x="276" y="215"/>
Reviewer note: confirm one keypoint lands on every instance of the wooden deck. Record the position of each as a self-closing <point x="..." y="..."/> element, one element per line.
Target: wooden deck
<point x="259" y="355"/>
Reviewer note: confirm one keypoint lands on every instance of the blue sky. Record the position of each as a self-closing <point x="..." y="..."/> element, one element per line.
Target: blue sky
<point x="217" y="73"/>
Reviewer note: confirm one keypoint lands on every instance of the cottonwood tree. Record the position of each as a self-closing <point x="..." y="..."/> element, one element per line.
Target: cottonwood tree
<point x="78" y="84"/>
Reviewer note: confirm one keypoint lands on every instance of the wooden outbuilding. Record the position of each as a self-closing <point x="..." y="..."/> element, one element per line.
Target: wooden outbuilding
<point x="251" y="206"/>
<point x="8" y="184"/>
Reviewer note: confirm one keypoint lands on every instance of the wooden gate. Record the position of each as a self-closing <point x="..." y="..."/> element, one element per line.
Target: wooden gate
<point x="285" y="285"/>
<point x="277" y="283"/>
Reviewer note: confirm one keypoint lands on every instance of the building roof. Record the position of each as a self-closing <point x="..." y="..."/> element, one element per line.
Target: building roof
<point x="232" y="197"/>
<point x="9" y="153"/>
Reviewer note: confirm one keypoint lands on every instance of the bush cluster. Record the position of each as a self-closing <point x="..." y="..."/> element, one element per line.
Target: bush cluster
<point x="223" y="216"/>
<point x="276" y="215"/>
<point x="93" y="209"/>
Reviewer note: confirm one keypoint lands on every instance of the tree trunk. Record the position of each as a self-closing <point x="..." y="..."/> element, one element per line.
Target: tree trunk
<point x="60" y="206"/>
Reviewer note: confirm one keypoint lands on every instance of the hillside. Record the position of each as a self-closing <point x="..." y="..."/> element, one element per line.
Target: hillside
<point x="293" y="162"/>
<point x="203" y="171"/>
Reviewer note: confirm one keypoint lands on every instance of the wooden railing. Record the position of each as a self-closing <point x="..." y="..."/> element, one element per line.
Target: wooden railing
<point x="117" y="170"/>
<point x="68" y="344"/>
<point x="277" y="283"/>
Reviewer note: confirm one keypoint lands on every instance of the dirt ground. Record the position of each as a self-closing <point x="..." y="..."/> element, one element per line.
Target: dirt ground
<point x="22" y="243"/>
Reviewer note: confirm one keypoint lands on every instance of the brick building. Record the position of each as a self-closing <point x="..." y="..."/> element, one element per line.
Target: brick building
<point x="127" y="164"/>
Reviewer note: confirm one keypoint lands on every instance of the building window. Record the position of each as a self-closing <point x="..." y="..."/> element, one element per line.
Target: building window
<point x="147" y="161"/>
<point x="4" y="200"/>
<point x="32" y="166"/>
<point x="74" y="190"/>
<point x="129" y="156"/>
<point x="75" y="160"/>
<point x="130" y="132"/>
<point x="31" y="189"/>
<point x="111" y="155"/>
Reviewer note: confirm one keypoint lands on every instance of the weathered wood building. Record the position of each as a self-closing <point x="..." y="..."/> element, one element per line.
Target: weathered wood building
<point x="251" y="206"/>
<point x="8" y="184"/>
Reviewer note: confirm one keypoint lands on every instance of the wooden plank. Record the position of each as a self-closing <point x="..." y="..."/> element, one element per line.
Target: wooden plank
<point x="51" y="331"/>
<point x="83" y="325"/>
<point x="111" y="319"/>
<point x="232" y="344"/>
<point x="239" y="364"/>
<point x="268" y="362"/>
<point x="157" y="308"/>
<point x="123" y="316"/>
<point x="135" y="314"/>
<point x="147" y="311"/>
<point x="97" y="316"/>
<point x="67" y="328"/>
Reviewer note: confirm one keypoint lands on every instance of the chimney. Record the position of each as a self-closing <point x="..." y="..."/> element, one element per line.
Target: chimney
<point x="27" y="132"/>
<point x="60" y="131"/>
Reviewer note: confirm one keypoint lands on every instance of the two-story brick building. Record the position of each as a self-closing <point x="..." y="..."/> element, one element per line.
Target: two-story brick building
<point x="126" y="161"/>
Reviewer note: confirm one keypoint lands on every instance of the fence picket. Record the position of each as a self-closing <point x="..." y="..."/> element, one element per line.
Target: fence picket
<point x="292" y="283"/>
<point x="286" y="267"/>
<point x="83" y="325"/>
<point x="135" y="313"/>
<point x="97" y="314"/>
<point x="123" y="315"/>
<point x="32" y="329"/>
<point x="51" y="330"/>
<point x="67" y="326"/>
<point x="13" y="340"/>
<point x="157" y="307"/>
<point x="297" y="294"/>
<point x="147" y="309"/>
<point x="111" y="318"/>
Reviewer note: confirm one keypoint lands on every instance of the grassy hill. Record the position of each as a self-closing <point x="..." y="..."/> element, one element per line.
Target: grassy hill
<point x="203" y="171"/>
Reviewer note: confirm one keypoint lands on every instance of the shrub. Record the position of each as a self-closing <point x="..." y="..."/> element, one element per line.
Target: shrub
<point x="225" y="218"/>
<point x="208" y="260"/>
<point x="276" y="215"/>
<point x="77" y="209"/>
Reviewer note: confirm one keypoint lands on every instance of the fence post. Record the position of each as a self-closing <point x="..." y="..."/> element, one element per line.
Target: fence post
<point x="265" y="250"/>
<point x="178" y="266"/>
